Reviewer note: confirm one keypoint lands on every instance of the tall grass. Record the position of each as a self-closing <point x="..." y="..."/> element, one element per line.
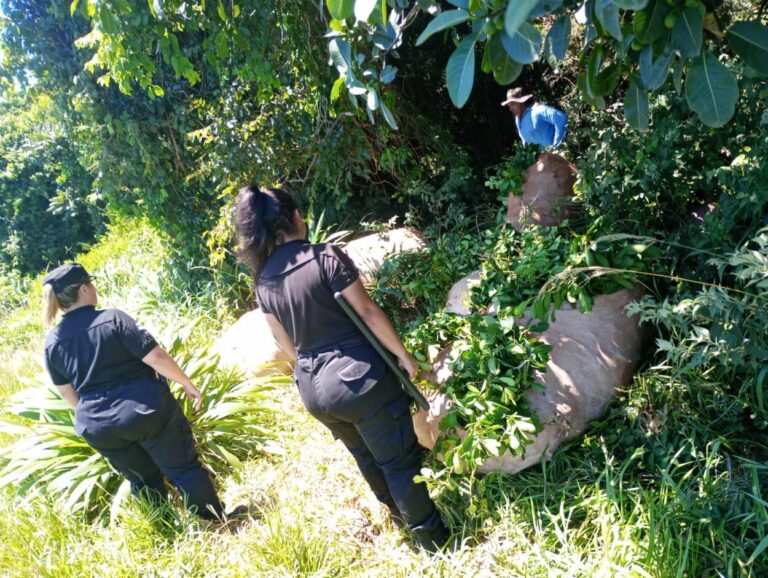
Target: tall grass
<point x="652" y="490"/>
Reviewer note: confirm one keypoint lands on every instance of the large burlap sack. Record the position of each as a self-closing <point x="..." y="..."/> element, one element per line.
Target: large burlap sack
<point x="248" y="345"/>
<point x="547" y="193"/>
<point x="369" y="252"/>
<point x="457" y="296"/>
<point x="456" y="302"/>
<point x="593" y="356"/>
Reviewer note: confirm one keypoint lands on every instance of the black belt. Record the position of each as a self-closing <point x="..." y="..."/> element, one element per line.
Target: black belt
<point x="110" y="390"/>
<point x="339" y="347"/>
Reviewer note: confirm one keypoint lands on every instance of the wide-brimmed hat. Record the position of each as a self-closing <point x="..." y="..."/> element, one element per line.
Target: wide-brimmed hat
<point x="65" y="275"/>
<point x="515" y="95"/>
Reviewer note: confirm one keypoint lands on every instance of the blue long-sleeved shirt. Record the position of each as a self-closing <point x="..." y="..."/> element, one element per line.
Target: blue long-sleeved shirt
<point x="542" y="125"/>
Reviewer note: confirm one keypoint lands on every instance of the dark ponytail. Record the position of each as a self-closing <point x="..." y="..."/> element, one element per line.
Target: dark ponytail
<point x="262" y="218"/>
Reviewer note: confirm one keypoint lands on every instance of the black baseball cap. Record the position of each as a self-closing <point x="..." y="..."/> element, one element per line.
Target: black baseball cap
<point x="65" y="275"/>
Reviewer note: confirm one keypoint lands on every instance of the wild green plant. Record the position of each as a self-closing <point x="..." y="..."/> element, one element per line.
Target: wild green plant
<point x="411" y="285"/>
<point x="716" y="334"/>
<point x="318" y="232"/>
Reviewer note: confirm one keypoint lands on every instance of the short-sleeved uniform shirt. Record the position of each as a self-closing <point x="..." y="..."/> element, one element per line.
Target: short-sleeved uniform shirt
<point x="297" y="285"/>
<point x="94" y="350"/>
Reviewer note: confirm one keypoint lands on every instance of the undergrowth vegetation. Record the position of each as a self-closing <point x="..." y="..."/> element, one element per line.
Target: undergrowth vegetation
<point x="671" y="482"/>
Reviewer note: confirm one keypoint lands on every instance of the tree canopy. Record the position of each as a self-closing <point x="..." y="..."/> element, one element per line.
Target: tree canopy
<point x="629" y="46"/>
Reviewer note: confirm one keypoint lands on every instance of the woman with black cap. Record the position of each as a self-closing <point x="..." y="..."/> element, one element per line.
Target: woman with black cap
<point x="341" y="379"/>
<point x="107" y="367"/>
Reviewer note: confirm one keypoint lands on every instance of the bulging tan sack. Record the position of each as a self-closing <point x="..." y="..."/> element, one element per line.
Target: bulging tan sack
<point x="593" y="356"/>
<point x="547" y="193"/>
<point x="369" y="252"/>
<point x="248" y="345"/>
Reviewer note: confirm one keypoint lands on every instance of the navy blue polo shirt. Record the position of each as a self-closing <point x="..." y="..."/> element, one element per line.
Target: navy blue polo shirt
<point x="297" y="286"/>
<point x="94" y="350"/>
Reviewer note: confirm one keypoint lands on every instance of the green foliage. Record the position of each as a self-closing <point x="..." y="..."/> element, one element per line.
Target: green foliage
<point x="412" y="285"/>
<point x="44" y="216"/>
<point x="508" y="175"/>
<point x="493" y="363"/>
<point x="636" y="41"/>
<point x="716" y="336"/>
<point x="317" y="233"/>
<point x="494" y="360"/>
<point x="543" y="268"/>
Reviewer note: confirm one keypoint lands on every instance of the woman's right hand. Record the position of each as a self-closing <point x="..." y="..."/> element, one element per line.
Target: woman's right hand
<point x="409" y="364"/>
<point x="194" y="395"/>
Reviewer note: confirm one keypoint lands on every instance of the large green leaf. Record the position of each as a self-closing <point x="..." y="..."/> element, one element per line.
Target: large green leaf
<point x="495" y="59"/>
<point x="601" y="77"/>
<point x="636" y="106"/>
<point x="442" y="21"/>
<point x="341" y="9"/>
<point x="388" y="116"/>
<point x="631" y="4"/>
<point x="711" y="90"/>
<point x="586" y="91"/>
<point x="653" y="73"/>
<point x="341" y="54"/>
<point x="750" y="41"/>
<point x="608" y="14"/>
<point x="688" y="32"/>
<point x="460" y="71"/>
<point x="558" y="36"/>
<point x="517" y="13"/>
<point x="525" y="45"/>
<point x="544" y="7"/>
<point x="648" y="24"/>
<point x="507" y="71"/>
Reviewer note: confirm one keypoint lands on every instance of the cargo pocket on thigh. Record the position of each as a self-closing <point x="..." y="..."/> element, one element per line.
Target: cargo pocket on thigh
<point x="400" y="410"/>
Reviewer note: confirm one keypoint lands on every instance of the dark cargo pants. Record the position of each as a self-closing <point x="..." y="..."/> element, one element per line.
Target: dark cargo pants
<point x="140" y="428"/>
<point x="351" y="391"/>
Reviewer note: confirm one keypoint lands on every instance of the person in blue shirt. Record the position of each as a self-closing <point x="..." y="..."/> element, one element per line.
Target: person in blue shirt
<point x="536" y="123"/>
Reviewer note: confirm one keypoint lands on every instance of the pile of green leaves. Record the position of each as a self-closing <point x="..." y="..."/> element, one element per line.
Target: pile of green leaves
<point x="409" y="286"/>
<point x="543" y="268"/>
<point x="494" y="356"/>
<point x="493" y="363"/>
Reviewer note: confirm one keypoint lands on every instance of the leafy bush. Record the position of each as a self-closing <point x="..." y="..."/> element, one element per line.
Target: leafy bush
<point x="412" y="285"/>
<point x="716" y="336"/>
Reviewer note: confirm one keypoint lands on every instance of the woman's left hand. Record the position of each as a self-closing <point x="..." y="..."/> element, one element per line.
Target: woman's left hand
<point x="194" y="395"/>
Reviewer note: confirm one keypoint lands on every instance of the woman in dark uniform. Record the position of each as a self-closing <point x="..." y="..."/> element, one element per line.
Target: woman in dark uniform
<point x="107" y="368"/>
<point x="342" y="381"/>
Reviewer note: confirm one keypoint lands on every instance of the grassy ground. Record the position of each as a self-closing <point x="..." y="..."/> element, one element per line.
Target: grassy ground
<point x="650" y="490"/>
<point x="312" y="515"/>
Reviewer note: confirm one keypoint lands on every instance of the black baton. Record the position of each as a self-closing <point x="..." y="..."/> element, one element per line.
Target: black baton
<point x="410" y="389"/>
